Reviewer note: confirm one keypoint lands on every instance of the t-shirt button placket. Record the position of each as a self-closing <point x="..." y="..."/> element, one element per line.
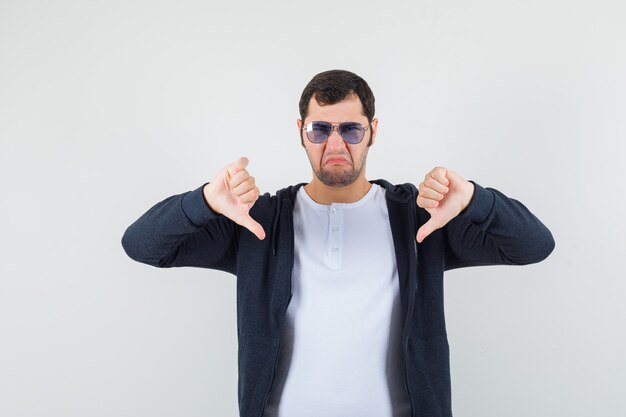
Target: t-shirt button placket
<point x="335" y="249"/>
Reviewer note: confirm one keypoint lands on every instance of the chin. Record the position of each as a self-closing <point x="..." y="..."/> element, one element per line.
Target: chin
<point x="337" y="179"/>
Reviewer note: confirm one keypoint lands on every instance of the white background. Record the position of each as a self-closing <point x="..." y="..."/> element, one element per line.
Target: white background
<point x="107" y="107"/>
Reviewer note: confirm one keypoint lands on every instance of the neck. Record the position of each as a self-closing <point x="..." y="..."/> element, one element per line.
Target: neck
<point x="323" y="194"/>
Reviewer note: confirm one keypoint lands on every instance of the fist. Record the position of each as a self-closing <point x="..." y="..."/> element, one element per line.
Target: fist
<point x="232" y="193"/>
<point x="444" y="194"/>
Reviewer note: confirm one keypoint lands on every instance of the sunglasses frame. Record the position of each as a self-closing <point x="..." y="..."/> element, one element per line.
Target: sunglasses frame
<point x="335" y="126"/>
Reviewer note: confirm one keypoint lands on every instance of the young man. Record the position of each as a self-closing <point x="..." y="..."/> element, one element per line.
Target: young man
<point x="340" y="281"/>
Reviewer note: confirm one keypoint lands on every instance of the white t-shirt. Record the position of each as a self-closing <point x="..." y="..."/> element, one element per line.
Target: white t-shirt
<point x="341" y="353"/>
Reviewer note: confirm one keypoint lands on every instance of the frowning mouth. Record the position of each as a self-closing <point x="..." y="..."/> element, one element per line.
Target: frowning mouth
<point x="336" y="160"/>
<point x="332" y="161"/>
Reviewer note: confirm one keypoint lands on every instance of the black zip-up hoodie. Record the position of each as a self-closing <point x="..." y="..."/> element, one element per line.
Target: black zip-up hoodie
<point x="182" y="230"/>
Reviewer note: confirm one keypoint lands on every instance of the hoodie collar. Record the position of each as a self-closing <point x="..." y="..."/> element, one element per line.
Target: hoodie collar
<point x="401" y="193"/>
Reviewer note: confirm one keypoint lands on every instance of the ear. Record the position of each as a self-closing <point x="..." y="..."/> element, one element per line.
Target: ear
<point x="373" y="128"/>
<point x="299" y="123"/>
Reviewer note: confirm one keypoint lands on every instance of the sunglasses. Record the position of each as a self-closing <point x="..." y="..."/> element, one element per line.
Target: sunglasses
<point x="350" y="132"/>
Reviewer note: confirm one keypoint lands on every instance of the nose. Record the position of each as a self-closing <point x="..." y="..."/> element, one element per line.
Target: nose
<point x="335" y="140"/>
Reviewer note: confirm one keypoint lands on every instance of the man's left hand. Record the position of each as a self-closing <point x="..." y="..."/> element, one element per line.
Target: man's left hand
<point x="444" y="194"/>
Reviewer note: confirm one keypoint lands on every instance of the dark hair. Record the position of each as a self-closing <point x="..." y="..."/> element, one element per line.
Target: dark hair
<point x="330" y="87"/>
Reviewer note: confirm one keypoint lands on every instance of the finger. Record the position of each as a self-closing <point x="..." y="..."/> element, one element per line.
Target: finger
<point x="435" y="185"/>
<point x="238" y="165"/>
<point x="238" y="178"/>
<point x="426" y="229"/>
<point x="429" y="193"/>
<point x="250" y="197"/>
<point x="249" y="223"/>
<point x="426" y="202"/>
<point x="439" y="174"/>
<point x="242" y="184"/>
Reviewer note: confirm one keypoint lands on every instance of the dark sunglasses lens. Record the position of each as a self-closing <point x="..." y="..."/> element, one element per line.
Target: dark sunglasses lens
<point x="352" y="132"/>
<point x="318" y="132"/>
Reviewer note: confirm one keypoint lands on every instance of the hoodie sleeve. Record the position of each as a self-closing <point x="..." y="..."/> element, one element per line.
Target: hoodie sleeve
<point x="495" y="229"/>
<point x="183" y="230"/>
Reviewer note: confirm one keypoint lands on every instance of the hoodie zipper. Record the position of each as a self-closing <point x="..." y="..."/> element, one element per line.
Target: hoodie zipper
<point x="405" y="343"/>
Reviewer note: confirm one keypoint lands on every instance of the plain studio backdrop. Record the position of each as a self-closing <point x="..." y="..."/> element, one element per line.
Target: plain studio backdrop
<point x="107" y="107"/>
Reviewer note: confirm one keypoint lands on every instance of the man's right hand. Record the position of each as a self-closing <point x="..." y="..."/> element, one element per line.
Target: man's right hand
<point x="232" y="193"/>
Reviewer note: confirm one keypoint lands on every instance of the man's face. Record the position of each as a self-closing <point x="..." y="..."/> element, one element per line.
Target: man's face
<point x="335" y="162"/>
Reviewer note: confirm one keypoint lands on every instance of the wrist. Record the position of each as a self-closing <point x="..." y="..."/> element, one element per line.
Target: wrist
<point x="207" y="193"/>
<point x="468" y="194"/>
